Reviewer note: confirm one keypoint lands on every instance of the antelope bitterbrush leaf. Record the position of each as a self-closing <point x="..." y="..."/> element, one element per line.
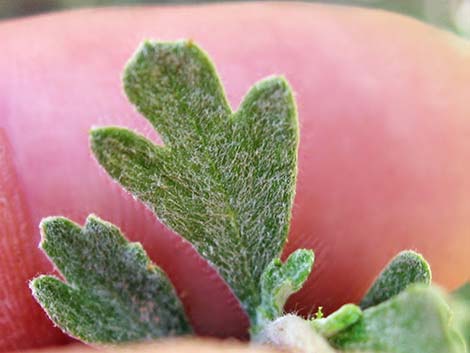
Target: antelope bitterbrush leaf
<point x="406" y="268"/>
<point x="223" y="180"/>
<point x="113" y="292"/>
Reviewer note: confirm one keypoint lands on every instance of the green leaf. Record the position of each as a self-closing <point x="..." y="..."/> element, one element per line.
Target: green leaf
<point x="113" y="292"/>
<point x="406" y="268"/>
<point x="460" y="303"/>
<point x="417" y="320"/>
<point x="338" y="321"/>
<point x="278" y="282"/>
<point x="224" y="181"/>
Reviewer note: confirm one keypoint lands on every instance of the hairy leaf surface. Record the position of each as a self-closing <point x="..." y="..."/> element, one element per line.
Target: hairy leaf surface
<point x="113" y="292"/>
<point x="279" y="281"/>
<point x="224" y="181"/>
<point x="406" y="268"/>
<point x="460" y="303"/>
<point x="415" y="321"/>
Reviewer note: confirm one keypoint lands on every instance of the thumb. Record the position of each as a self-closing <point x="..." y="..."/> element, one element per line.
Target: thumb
<point x="65" y="192"/>
<point x="171" y="346"/>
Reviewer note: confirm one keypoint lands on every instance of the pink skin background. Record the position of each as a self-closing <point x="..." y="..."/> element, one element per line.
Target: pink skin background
<point x="384" y="155"/>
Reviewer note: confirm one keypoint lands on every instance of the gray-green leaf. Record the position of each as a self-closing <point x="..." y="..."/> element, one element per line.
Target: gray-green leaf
<point x="417" y="320"/>
<point x="278" y="282"/>
<point x="406" y="268"/>
<point x="113" y="292"/>
<point x="460" y="303"/>
<point x="224" y="181"/>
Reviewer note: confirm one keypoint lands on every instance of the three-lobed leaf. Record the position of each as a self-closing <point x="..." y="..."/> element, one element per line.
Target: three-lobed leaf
<point x="113" y="292"/>
<point x="225" y="181"/>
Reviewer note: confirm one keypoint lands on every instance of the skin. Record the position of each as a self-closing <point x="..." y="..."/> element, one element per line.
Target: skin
<point x="383" y="164"/>
<point x="172" y="346"/>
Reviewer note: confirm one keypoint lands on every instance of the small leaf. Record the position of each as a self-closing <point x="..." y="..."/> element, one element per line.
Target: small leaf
<point x="338" y="321"/>
<point x="113" y="292"/>
<point x="406" y="268"/>
<point x="278" y="282"/>
<point x="460" y="303"/>
<point x="224" y="181"/>
<point x="415" y="321"/>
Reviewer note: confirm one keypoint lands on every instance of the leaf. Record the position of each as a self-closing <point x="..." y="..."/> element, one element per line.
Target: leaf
<point x="460" y="303"/>
<point x="278" y="282"/>
<point x="338" y="321"/>
<point x="415" y="321"/>
<point x="224" y="181"/>
<point x="406" y="268"/>
<point x="113" y="292"/>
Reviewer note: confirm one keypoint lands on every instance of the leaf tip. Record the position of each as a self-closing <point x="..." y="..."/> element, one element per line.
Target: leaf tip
<point x="39" y="285"/>
<point x="35" y="284"/>
<point x="99" y="138"/>
<point x="417" y="260"/>
<point x="96" y="135"/>
<point x="406" y="268"/>
<point x="50" y="225"/>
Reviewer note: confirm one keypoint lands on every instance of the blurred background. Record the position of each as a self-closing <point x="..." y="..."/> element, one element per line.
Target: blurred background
<point x="453" y="15"/>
